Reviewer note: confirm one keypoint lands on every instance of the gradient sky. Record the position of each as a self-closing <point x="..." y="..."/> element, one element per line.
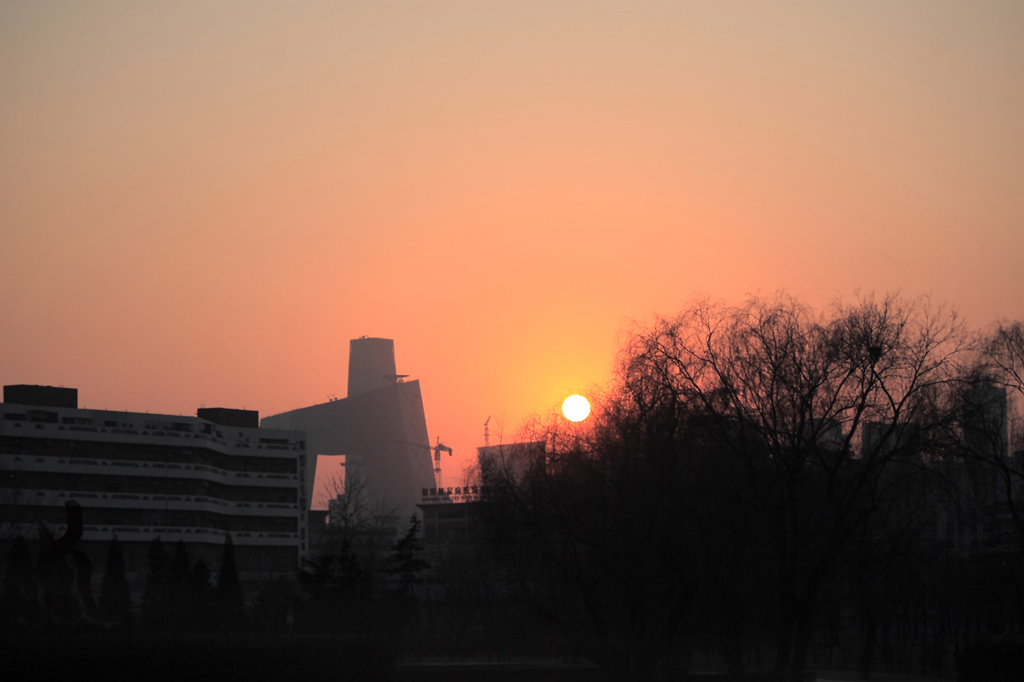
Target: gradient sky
<point x="202" y="202"/>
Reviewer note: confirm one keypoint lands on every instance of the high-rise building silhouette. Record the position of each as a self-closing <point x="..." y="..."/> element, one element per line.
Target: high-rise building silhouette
<point x="379" y="427"/>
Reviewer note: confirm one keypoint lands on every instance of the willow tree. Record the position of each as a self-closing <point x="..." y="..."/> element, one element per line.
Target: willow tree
<point x="818" y="411"/>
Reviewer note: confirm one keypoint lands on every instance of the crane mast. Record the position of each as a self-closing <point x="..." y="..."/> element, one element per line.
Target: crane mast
<point x="438" y="449"/>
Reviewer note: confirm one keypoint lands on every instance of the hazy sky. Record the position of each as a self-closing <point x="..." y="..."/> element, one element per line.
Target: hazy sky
<point x="202" y="202"/>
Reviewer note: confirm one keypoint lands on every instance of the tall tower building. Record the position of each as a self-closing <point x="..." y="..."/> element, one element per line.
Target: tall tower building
<point x="371" y="365"/>
<point x="380" y="426"/>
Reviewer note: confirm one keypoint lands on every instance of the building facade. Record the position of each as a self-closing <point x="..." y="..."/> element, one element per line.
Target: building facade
<point x="140" y="476"/>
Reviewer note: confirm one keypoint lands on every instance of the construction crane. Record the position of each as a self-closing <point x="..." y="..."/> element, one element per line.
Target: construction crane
<point x="438" y="449"/>
<point x="437" y="459"/>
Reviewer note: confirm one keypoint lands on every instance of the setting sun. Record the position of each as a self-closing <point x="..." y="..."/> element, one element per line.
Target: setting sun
<point x="576" y="408"/>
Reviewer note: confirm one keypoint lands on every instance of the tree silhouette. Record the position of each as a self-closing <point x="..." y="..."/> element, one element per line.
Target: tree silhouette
<point x="361" y="522"/>
<point x="817" y="409"/>
<point x="596" y="536"/>
<point x="115" y="594"/>
<point x="405" y="561"/>
<point x="1001" y="370"/>
<point x="740" y="452"/>
<point x="19" y="600"/>
<point x="201" y="594"/>
<point x="156" y="598"/>
<point x="179" y="597"/>
<point x="230" y="600"/>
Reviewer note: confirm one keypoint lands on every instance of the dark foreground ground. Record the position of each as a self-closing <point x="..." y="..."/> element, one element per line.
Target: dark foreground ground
<point x="308" y="658"/>
<point x="545" y="671"/>
<point x="542" y="672"/>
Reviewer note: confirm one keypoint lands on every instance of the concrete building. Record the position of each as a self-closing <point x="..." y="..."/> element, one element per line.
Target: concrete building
<point x="380" y="427"/>
<point x="140" y="476"/>
<point x="451" y="514"/>
<point x="511" y="459"/>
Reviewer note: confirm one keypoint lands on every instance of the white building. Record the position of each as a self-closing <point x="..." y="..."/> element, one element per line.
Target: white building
<point x="141" y="476"/>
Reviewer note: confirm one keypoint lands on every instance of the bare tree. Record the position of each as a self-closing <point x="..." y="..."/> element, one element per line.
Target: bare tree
<point x="1005" y="351"/>
<point x="987" y="414"/>
<point x="740" y="453"/>
<point x="355" y="507"/>
<point x="818" y="409"/>
<point x="618" y="529"/>
<point x="361" y="522"/>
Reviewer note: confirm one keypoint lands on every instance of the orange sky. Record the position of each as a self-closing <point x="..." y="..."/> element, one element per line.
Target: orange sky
<point x="201" y="203"/>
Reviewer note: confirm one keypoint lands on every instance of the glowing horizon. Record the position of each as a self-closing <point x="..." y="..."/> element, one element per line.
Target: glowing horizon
<point x="203" y="204"/>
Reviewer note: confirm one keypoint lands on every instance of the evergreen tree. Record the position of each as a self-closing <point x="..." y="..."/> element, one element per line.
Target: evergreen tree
<point x="178" y="576"/>
<point x="179" y="595"/>
<point x="201" y="593"/>
<point x="115" y="595"/>
<point x="340" y="592"/>
<point x="155" y="599"/>
<point x="405" y="562"/>
<point x="230" y="600"/>
<point x="19" y="599"/>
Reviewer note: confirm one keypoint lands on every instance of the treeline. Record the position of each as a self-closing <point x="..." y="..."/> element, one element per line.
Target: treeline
<point x="783" y="489"/>
<point x="180" y="594"/>
<point x="339" y="591"/>
<point x="54" y="590"/>
<point x="364" y="581"/>
<point x="342" y="612"/>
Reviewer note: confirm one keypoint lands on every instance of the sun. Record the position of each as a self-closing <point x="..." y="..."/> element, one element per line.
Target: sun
<point x="576" y="408"/>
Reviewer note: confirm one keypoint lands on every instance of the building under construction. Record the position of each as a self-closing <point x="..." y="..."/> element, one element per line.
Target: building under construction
<point x="379" y="427"/>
